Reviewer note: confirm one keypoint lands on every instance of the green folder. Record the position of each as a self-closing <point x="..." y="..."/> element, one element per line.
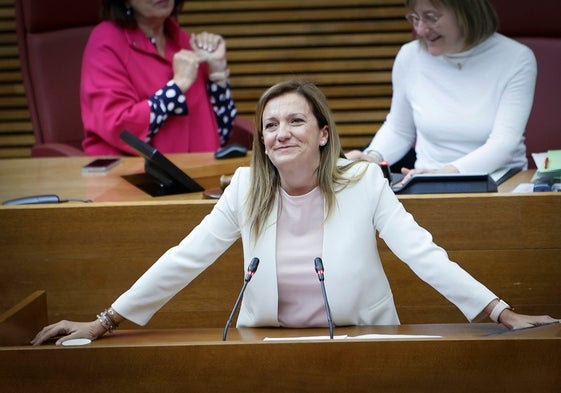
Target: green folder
<point x="551" y="167"/>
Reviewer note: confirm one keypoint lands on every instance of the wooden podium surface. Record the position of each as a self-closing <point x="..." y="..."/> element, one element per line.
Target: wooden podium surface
<point x="467" y="358"/>
<point x="62" y="176"/>
<point x="421" y="357"/>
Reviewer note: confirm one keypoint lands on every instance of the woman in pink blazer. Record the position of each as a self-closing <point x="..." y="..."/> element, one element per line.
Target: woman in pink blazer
<point x="142" y="73"/>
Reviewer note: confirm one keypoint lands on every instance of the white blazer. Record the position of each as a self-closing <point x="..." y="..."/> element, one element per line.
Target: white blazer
<point x="356" y="285"/>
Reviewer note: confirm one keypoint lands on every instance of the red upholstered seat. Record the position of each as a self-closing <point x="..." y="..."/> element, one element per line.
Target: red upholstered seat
<point x="537" y="24"/>
<point x="51" y="36"/>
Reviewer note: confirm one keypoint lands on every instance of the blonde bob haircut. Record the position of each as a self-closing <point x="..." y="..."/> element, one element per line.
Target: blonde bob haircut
<point x="265" y="180"/>
<point x="476" y="18"/>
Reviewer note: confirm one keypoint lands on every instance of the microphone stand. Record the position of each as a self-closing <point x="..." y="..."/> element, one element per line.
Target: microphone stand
<point x="319" y="270"/>
<point x="250" y="272"/>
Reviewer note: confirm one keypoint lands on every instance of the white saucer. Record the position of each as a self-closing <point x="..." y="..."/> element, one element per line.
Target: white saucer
<point x="77" y="341"/>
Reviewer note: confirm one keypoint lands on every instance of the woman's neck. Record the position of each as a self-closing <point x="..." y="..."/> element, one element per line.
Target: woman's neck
<point x="152" y="27"/>
<point x="299" y="183"/>
<point x="154" y="30"/>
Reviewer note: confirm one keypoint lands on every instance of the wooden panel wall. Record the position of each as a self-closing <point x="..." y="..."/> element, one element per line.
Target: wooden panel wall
<point x="16" y="133"/>
<point x="84" y="256"/>
<point x="346" y="47"/>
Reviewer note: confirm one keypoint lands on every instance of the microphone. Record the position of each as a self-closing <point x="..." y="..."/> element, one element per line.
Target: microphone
<point x="250" y="272"/>
<point x="386" y="171"/>
<point x="319" y="270"/>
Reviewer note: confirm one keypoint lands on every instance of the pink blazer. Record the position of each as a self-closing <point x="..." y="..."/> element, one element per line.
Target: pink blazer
<point x="120" y="70"/>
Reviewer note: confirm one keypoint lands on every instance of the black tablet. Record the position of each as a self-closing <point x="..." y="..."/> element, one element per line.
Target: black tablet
<point x="169" y="179"/>
<point x="447" y="183"/>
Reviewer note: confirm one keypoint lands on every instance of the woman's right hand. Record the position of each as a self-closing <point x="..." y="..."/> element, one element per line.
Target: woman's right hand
<point x="185" y="68"/>
<point x="69" y="330"/>
<point x="359" y="155"/>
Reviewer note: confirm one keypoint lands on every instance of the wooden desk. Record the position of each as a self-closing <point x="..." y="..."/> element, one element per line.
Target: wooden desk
<point x="63" y="177"/>
<point x="424" y="357"/>
<point x="468" y="358"/>
<point x="85" y="255"/>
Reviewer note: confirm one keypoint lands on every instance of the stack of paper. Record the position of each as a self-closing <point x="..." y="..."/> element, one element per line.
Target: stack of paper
<point x="361" y="337"/>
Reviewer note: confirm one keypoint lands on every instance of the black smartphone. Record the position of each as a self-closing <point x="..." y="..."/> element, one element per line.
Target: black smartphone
<point x="100" y="165"/>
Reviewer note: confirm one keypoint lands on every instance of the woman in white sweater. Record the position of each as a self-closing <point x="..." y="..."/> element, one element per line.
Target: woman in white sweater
<point x="462" y="93"/>
<point x="300" y="200"/>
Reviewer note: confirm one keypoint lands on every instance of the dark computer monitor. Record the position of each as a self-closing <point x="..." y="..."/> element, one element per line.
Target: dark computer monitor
<point x="166" y="177"/>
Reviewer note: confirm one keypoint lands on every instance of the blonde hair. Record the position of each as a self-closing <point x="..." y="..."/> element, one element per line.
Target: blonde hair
<point x="265" y="181"/>
<point x="477" y="19"/>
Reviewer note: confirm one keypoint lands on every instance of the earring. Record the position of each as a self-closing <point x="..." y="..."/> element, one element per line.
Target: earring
<point x="322" y="143"/>
<point x="129" y="11"/>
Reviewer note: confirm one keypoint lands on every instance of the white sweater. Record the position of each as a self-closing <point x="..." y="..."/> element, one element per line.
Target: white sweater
<point x="468" y="110"/>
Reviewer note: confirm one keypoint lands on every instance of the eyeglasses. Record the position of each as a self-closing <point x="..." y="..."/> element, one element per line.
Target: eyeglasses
<point x="428" y="18"/>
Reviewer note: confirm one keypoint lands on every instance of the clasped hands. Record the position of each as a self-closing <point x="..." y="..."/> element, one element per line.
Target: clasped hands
<point x="206" y="47"/>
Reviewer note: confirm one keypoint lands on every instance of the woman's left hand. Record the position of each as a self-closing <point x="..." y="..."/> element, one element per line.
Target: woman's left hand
<point x="515" y="321"/>
<point x="210" y="48"/>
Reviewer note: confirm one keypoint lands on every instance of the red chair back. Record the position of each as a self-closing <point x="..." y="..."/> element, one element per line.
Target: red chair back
<point x="51" y="37"/>
<point x="537" y="24"/>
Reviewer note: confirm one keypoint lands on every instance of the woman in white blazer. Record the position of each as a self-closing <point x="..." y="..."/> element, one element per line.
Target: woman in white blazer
<point x="299" y="200"/>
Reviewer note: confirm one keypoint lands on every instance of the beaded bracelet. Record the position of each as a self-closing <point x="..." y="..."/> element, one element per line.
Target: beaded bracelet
<point x="107" y="320"/>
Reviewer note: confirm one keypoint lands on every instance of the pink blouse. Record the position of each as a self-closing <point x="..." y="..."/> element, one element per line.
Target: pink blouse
<point x="299" y="242"/>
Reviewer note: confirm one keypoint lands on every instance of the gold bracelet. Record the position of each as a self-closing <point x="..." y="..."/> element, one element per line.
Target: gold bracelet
<point x="112" y="316"/>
